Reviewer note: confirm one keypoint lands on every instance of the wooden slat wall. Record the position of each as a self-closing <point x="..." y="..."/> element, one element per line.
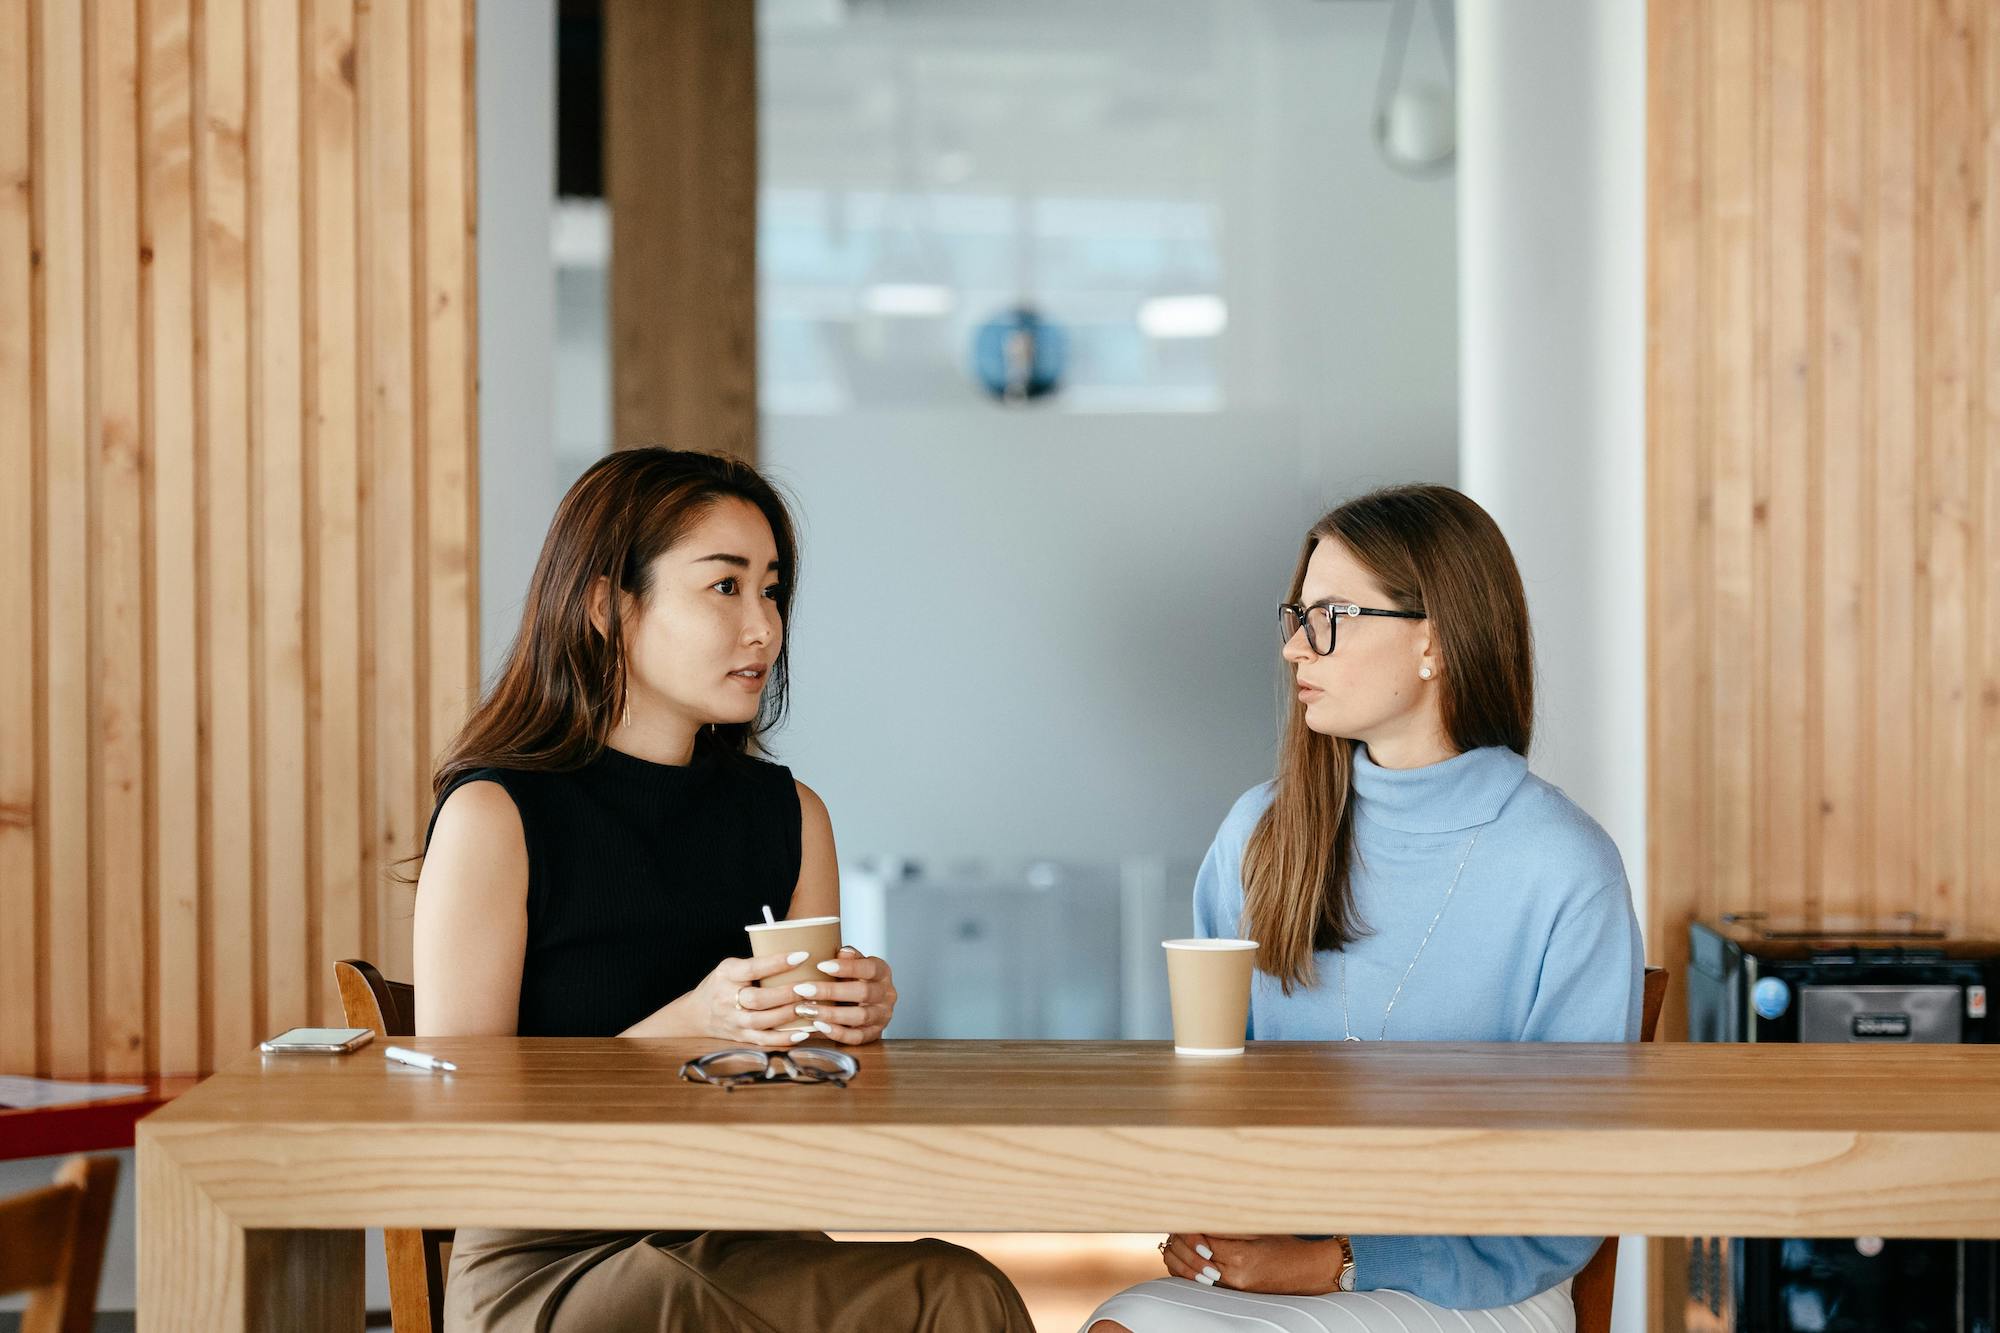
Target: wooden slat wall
<point x="1823" y="467"/>
<point x="237" y="507"/>
<point x="680" y="109"/>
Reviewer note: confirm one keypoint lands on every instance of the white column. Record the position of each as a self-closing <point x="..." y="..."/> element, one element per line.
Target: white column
<point x="516" y="136"/>
<point x="1552" y="156"/>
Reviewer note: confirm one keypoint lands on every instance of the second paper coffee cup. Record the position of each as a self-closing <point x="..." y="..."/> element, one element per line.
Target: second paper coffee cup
<point x="1209" y="984"/>
<point x="819" y="936"/>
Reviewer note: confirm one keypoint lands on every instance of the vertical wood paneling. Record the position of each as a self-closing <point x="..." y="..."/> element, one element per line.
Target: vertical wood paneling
<point x="1845" y="613"/>
<point x="118" y="542"/>
<point x="389" y="427"/>
<point x="20" y="966"/>
<point x="1986" y="458"/>
<point x="234" y="1008"/>
<point x="278" y="545"/>
<point x="237" y="549"/>
<point x="64" y="560"/>
<point x="175" y="758"/>
<point x="452" y="649"/>
<point x="1731" y="433"/>
<point x="1868" y="613"/>
<point x="333" y="407"/>
<point x="1896" y="311"/>
<point x="1952" y="123"/>
<point x="1784" y="512"/>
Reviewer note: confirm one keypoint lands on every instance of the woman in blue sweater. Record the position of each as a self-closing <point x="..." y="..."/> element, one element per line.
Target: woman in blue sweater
<point x="1407" y="879"/>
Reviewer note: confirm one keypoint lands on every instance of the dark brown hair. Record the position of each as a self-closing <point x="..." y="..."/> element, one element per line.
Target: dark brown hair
<point x="563" y="684"/>
<point x="1433" y="550"/>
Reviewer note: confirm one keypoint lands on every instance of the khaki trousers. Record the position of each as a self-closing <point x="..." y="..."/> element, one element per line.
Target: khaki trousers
<point x="719" y="1281"/>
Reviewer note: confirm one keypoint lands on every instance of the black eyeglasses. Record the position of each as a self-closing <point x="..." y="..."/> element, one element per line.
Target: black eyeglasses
<point x="1319" y="619"/>
<point x="741" y="1065"/>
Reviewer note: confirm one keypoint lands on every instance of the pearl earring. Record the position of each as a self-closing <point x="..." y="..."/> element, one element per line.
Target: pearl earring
<point x="1424" y="672"/>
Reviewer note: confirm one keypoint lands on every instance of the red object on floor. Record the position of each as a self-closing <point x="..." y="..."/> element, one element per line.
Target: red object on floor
<point x="48" y="1131"/>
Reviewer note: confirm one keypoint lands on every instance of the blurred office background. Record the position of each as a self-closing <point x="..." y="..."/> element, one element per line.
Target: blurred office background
<point x="1034" y="653"/>
<point x="1034" y="646"/>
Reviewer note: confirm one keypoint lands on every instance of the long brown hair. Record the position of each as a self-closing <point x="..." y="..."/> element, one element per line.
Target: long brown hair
<point x="1433" y="550"/>
<point x="563" y="684"/>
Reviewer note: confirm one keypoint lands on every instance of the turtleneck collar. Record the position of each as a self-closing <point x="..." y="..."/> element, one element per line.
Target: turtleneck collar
<point x="1461" y="792"/>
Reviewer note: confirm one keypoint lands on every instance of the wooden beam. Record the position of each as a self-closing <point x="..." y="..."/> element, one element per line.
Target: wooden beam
<point x="681" y="178"/>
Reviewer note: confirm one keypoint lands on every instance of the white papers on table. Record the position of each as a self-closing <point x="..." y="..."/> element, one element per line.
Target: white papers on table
<point x="18" y="1092"/>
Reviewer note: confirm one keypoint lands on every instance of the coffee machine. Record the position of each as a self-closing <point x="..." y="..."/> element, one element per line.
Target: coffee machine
<point x="1896" y="981"/>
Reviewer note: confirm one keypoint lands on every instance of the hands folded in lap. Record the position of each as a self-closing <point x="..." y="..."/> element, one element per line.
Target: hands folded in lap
<point x="1275" y="1265"/>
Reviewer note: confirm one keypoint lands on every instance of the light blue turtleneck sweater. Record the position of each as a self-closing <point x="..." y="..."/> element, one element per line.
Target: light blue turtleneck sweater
<point x="1538" y="943"/>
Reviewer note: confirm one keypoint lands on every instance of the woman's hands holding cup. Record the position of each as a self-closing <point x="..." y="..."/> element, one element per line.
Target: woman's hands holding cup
<point x="854" y="1003"/>
<point x="850" y="1003"/>
<point x="730" y="1005"/>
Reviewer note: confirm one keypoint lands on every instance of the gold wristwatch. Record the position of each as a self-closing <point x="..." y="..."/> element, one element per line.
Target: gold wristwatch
<point x="1345" y="1280"/>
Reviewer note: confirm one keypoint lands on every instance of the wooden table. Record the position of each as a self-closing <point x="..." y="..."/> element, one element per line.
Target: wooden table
<point x="253" y="1187"/>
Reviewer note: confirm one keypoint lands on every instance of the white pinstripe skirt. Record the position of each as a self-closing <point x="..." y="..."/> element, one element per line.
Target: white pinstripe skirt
<point x="1176" y="1305"/>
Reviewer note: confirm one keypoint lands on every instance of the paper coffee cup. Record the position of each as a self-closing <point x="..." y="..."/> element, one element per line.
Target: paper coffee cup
<point x="1209" y="983"/>
<point x="819" y="936"/>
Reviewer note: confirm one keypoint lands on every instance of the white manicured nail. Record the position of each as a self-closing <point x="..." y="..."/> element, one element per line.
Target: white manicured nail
<point x="794" y="959"/>
<point x="830" y="968"/>
<point x="1204" y="1251"/>
<point x="800" y="1035"/>
<point x="805" y="988"/>
<point x="1204" y="1278"/>
<point x="823" y="1026"/>
<point x="1212" y="1273"/>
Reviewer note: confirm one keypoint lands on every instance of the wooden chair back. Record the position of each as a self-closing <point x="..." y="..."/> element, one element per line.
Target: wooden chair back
<point x="1592" y="1291"/>
<point x="52" y="1244"/>
<point x="418" y="1259"/>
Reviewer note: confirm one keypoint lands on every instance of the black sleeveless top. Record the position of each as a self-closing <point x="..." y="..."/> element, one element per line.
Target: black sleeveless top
<point x="641" y="878"/>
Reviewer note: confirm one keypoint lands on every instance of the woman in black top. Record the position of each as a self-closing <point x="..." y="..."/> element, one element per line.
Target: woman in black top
<point x="602" y="835"/>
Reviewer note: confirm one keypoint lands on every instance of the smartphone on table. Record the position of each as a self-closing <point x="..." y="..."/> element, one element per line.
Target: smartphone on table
<point x="333" y="1040"/>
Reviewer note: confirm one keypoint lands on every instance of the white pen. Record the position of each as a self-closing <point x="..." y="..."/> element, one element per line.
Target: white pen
<point x="419" y="1060"/>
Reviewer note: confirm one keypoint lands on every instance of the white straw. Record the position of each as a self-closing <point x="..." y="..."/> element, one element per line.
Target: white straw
<point x="769" y="920"/>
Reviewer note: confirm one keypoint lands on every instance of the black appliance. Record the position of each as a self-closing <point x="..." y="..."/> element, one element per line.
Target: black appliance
<point x="1899" y="981"/>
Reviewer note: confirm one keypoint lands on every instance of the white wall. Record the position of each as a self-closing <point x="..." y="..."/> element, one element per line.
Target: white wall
<point x="1552" y="331"/>
<point x="520" y="475"/>
<point x="1025" y="636"/>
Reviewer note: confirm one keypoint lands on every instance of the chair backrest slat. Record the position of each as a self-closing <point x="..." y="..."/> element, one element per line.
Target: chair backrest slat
<point x="417" y="1259"/>
<point x="1592" y="1290"/>
<point x="52" y="1244"/>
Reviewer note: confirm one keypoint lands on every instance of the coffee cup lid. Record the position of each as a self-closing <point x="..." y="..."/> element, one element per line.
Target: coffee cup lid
<point x="1208" y="944"/>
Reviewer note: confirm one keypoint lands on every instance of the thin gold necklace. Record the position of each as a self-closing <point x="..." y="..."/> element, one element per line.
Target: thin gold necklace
<point x="1390" y="1008"/>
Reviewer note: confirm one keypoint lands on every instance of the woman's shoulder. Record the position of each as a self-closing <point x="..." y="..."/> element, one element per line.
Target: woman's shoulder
<point x="1243" y="815"/>
<point x="1544" y="824"/>
<point x="758" y="773"/>
<point x="514" y="781"/>
<point x="477" y="807"/>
